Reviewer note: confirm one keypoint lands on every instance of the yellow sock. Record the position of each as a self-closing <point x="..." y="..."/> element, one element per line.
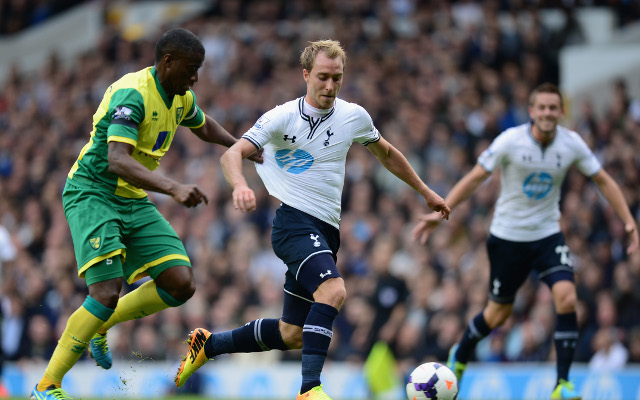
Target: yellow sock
<point x="136" y="304"/>
<point x="81" y="326"/>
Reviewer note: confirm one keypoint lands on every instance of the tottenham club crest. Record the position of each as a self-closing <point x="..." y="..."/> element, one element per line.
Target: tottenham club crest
<point x="313" y="237"/>
<point x="329" y="134"/>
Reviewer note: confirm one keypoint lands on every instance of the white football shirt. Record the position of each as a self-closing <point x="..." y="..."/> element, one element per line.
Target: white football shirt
<point x="529" y="204"/>
<point x="305" y="155"/>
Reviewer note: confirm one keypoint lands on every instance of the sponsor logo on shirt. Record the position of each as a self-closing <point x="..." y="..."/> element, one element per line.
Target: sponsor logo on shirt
<point x="294" y="161"/>
<point x="537" y="185"/>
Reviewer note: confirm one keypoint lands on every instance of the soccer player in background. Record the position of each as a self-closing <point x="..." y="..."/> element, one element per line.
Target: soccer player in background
<point x="117" y="232"/>
<point x="305" y="144"/>
<point x="525" y="230"/>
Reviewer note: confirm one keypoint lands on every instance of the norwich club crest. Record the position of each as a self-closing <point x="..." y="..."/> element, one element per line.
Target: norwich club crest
<point x="95" y="242"/>
<point x="179" y="112"/>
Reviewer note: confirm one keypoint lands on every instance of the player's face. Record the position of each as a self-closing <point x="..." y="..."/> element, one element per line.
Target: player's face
<point x="184" y="72"/>
<point x="323" y="81"/>
<point x="545" y="112"/>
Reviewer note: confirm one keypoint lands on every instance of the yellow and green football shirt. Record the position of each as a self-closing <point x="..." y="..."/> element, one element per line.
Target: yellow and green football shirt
<point x="135" y="110"/>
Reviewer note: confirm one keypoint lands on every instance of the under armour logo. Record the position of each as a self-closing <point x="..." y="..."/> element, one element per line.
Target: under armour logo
<point x="286" y="137"/>
<point x="496" y="286"/>
<point x="109" y="261"/>
<point x="323" y="275"/>
<point x="315" y="240"/>
<point x="329" y="134"/>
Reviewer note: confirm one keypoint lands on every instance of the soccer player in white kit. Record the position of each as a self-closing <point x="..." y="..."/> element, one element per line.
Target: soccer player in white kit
<point x="525" y="230"/>
<point x="305" y="144"/>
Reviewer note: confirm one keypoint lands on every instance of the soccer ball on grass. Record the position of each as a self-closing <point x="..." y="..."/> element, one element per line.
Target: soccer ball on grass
<point x="432" y="381"/>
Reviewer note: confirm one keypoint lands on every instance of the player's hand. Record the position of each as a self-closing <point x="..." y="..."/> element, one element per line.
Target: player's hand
<point x="244" y="199"/>
<point x="256" y="156"/>
<point x="436" y="203"/>
<point x="428" y="223"/>
<point x="632" y="231"/>
<point x="189" y="195"/>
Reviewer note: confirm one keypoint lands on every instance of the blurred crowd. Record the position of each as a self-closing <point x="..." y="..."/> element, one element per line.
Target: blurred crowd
<point x="18" y="15"/>
<point x="440" y="79"/>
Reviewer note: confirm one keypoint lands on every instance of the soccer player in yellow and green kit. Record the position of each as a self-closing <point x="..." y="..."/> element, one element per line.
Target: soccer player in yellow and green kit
<point x="117" y="232"/>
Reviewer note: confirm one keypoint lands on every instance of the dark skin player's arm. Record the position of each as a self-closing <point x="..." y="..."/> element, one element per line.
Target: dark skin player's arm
<point x="126" y="167"/>
<point x="212" y="132"/>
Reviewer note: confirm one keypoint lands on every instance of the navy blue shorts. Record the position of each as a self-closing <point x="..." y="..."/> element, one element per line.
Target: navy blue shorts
<point x="512" y="262"/>
<point x="308" y="246"/>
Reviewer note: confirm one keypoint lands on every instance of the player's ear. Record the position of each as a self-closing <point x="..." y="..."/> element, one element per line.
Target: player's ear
<point x="168" y="60"/>
<point x="305" y="75"/>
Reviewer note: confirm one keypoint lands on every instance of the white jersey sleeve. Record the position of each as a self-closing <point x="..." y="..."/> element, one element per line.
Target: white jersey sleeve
<point x="494" y="155"/>
<point x="269" y="123"/>
<point x="364" y="131"/>
<point x="585" y="161"/>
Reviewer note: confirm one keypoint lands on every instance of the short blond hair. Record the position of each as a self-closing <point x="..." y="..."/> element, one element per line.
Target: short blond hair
<point x="331" y="48"/>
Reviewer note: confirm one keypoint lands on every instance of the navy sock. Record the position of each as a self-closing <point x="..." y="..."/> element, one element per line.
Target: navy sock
<point x="565" y="338"/>
<point x="476" y="331"/>
<point x="256" y="336"/>
<point x="316" y="337"/>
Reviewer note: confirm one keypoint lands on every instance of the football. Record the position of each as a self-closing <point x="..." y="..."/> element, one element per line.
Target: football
<point x="432" y="381"/>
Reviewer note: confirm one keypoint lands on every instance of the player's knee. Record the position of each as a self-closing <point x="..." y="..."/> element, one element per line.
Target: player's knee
<point x="291" y="335"/>
<point x="564" y="297"/>
<point x="331" y="292"/>
<point x="107" y="292"/>
<point x="339" y="296"/>
<point x="496" y="314"/>
<point x="108" y="298"/>
<point x="183" y="291"/>
<point x="178" y="282"/>
<point x="566" y="303"/>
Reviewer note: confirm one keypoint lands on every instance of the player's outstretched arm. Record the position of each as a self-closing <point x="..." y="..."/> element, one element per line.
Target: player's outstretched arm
<point x="213" y="132"/>
<point x="122" y="164"/>
<point x="243" y="197"/>
<point x="460" y="192"/>
<point x="393" y="160"/>
<point x="611" y="191"/>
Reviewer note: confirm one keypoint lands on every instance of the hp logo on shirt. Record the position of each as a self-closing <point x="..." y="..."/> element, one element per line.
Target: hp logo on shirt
<point x="294" y="161"/>
<point x="537" y="185"/>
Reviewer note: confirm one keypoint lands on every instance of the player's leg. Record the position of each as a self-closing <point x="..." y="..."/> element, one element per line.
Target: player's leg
<point x="153" y="249"/>
<point x="318" y="327"/>
<point x="172" y="288"/>
<point x="308" y="246"/>
<point x="565" y="336"/>
<point x="266" y="334"/>
<point x="83" y="324"/>
<point x="255" y="336"/>
<point x="95" y="224"/>
<point x="509" y="269"/>
<point x="556" y="270"/>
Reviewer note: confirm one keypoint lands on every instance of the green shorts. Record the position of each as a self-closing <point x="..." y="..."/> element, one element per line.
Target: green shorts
<point x="104" y="225"/>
